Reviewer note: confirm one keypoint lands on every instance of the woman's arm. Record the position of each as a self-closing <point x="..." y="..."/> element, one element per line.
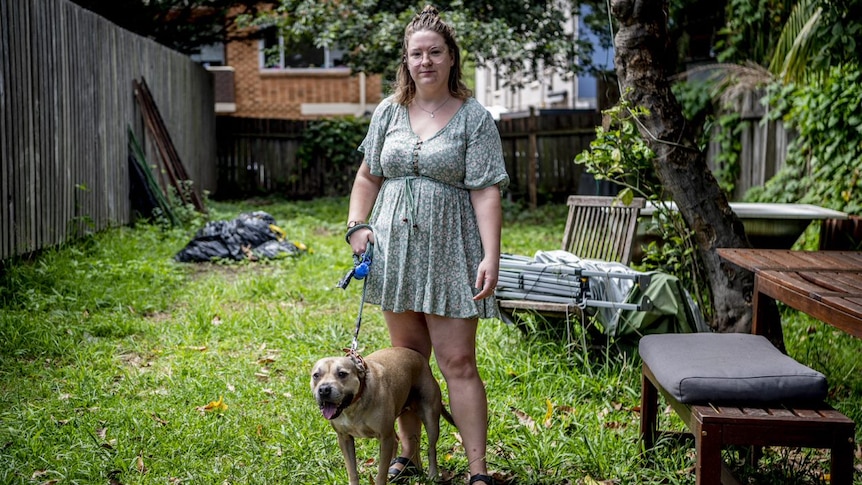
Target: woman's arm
<point x="362" y="197"/>
<point x="489" y="215"/>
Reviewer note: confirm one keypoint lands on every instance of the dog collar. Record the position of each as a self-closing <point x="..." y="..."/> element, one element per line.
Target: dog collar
<point x="360" y="364"/>
<point x="359" y="393"/>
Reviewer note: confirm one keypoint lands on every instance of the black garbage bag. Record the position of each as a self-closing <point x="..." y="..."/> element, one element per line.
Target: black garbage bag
<point x="252" y="234"/>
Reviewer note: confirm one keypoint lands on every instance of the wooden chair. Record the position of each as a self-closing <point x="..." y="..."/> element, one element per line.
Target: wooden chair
<point x="597" y="227"/>
<point x="601" y="228"/>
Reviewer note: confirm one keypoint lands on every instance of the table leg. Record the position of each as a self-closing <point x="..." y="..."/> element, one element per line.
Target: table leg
<point x="765" y="319"/>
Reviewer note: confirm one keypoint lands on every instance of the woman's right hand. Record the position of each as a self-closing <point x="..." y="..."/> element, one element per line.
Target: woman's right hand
<point x="360" y="239"/>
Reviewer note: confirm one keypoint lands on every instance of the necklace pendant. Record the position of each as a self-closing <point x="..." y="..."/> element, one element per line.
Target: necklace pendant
<point x="432" y="115"/>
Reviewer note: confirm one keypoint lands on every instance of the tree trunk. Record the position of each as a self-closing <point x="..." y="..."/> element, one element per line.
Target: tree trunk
<point x="641" y="59"/>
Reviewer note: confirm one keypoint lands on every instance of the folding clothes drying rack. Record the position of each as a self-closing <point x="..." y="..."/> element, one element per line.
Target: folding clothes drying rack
<point x="558" y="287"/>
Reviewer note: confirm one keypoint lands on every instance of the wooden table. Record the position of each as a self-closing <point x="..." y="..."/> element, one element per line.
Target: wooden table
<point x="824" y="284"/>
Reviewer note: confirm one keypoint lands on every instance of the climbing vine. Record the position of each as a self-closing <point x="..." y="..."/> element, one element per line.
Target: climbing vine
<point x="824" y="160"/>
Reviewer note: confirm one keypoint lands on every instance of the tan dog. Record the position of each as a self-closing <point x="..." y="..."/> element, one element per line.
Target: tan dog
<point x="361" y="398"/>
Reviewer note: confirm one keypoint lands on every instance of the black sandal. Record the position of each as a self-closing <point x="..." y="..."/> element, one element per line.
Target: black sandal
<point x="403" y="475"/>
<point x="482" y="478"/>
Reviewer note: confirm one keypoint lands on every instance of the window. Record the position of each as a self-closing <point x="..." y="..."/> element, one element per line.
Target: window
<point x="275" y="54"/>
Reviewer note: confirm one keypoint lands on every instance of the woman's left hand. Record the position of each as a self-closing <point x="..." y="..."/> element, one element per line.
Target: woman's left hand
<point x="486" y="278"/>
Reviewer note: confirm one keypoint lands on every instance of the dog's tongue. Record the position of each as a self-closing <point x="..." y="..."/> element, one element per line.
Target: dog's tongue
<point x="329" y="410"/>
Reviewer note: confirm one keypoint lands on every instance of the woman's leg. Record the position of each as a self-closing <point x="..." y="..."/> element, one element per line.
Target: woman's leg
<point x="454" y="343"/>
<point x="409" y="329"/>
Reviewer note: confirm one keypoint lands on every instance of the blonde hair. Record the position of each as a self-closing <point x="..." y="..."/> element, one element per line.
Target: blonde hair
<point x="429" y="20"/>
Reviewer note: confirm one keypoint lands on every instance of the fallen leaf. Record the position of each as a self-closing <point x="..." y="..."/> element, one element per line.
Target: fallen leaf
<point x="549" y="414"/>
<point x="216" y="320"/>
<point x="266" y="360"/>
<point x="566" y="409"/>
<point x="159" y="420"/>
<point x="38" y="474"/>
<point x="199" y="348"/>
<point x="139" y="465"/>
<point x="215" y="406"/>
<point x="525" y="419"/>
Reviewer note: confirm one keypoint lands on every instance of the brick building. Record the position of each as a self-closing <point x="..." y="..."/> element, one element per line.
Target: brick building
<point x="295" y="93"/>
<point x="259" y="77"/>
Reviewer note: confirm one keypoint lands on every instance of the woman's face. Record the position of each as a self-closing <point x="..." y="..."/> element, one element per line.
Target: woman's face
<point x="428" y="59"/>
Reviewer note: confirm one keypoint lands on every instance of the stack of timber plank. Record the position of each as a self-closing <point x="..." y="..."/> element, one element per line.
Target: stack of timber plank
<point x="171" y="165"/>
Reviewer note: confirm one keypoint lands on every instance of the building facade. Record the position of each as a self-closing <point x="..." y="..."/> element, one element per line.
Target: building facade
<point x="257" y="76"/>
<point x="501" y="92"/>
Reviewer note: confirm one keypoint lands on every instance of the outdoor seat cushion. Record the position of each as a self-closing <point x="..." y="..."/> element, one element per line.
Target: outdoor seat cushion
<point x="729" y="368"/>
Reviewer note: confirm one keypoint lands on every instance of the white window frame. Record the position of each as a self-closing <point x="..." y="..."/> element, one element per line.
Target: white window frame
<point x="327" y="59"/>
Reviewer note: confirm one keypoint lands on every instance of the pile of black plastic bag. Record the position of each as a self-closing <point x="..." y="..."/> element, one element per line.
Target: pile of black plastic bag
<point x="252" y="235"/>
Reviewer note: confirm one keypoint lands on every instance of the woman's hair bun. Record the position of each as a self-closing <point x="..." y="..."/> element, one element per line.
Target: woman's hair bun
<point x="429" y="10"/>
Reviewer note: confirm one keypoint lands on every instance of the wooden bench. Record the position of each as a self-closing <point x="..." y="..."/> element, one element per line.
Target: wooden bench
<point x="597" y="227"/>
<point x="795" y="416"/>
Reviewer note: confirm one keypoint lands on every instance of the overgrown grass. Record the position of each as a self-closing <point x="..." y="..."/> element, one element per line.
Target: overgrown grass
<point x="113" y="360"/>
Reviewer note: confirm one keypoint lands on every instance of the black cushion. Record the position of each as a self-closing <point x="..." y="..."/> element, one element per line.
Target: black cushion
<point x="728" y="368"/>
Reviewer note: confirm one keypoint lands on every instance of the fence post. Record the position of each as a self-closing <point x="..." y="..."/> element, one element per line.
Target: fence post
<point x="532" y="162"/>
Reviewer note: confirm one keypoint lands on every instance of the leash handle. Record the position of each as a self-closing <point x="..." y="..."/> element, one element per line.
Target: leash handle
<point x="361" y="267"/>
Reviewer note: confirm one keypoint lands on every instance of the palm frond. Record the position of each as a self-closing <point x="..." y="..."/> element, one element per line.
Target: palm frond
<point x="795" y="47"/>
<point x="733" y="81"/>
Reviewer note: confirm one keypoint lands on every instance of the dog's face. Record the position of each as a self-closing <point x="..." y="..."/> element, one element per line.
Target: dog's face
<point x="335" y="382"/>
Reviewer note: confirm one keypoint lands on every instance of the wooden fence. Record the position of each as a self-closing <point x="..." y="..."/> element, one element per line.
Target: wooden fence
<point x="763" y="146"/>
<point x="540" y="147"/>
<point x="261" y="156"/>
<point x="66" y="106"/>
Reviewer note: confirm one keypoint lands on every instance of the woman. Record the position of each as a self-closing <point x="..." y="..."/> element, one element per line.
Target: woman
<point x="432" y="173"/>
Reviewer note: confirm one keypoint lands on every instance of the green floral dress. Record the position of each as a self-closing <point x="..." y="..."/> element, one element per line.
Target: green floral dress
<point x="427" y="246"/>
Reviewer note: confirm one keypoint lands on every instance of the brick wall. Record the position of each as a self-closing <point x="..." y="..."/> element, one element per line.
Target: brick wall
<point x="296" y="94"/>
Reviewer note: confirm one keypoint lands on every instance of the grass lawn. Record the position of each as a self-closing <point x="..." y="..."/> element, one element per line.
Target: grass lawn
<point x="120" y="366"/>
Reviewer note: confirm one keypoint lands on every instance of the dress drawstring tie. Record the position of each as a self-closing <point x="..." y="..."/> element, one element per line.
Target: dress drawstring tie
<point x="411" y="202"/>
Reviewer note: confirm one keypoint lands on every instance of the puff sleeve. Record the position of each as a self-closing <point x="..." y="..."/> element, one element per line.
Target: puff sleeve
<point x="484" y="157"/>
<point x="372" y="145"/>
